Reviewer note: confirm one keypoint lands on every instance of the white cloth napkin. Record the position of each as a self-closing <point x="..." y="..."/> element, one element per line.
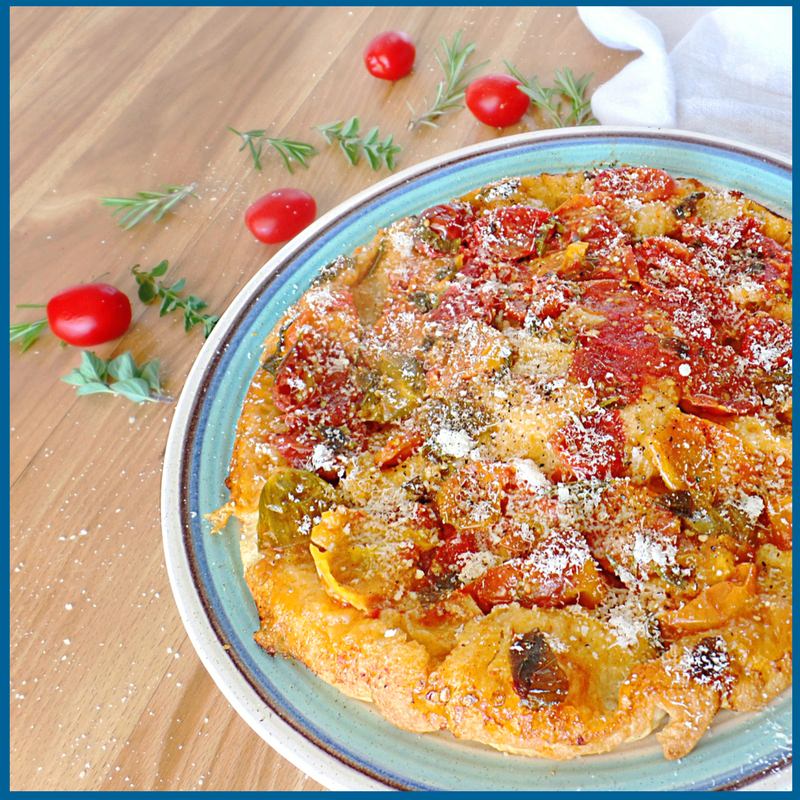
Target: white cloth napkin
<point x="727" y="72"/>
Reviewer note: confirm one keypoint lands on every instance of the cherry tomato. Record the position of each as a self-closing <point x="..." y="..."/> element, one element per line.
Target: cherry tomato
<point x="280" y="215"/>
<point x="390" y="55"/>
<point x="496" y="100"/>
<point x="89" y="314"/>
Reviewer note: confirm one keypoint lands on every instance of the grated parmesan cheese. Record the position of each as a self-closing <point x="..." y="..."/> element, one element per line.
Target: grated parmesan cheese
<point x="457" y="444"/>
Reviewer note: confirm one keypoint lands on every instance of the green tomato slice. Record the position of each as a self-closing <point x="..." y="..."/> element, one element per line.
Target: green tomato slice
<point x="291" y="503"/>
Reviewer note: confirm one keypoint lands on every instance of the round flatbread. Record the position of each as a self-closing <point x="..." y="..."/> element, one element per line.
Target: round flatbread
<point x="520" y="468"/>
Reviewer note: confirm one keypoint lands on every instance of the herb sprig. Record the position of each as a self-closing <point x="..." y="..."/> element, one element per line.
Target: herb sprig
<point x="26" y="333"/>
<point x="135" y="209"/>
<point x="454" y="62"/>
<point x="346" y="134"/>
<point x="291" y="151"/>
<point x="565" y="102"/>
<point x="119" y="376"/>
<point x="151" y="289"/>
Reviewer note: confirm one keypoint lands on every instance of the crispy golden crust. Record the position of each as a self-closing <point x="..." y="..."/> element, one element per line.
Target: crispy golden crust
<point x="436" y="659"/>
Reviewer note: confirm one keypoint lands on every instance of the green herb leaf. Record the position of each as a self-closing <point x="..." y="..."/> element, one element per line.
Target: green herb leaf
<point x="253" y="141"/>
<point x="135" y="209"/>
<point x="149" y="372"/>
<point x="91" y="388"/>
<point x="119" y="376"/>
<point x="93" y="367"/>
<point x="26" y="333"/>
<point x="454" y="63"/>
<point x="151" y="289"/>
<point x="122" y="367"/>
<point x="346" y="134"/>
<point x="291" y="151"/>
<point x="134" y="389"/>
<point x="565" y="103"/>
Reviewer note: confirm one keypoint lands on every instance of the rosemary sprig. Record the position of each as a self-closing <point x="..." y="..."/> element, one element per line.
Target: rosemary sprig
<point x="26" y="333"/>
<point x="136" y="208"/>
<point x="119" y="376"/>
<point x="565" y="103"/>
<point x="574" y="89"/>
<point x="171" y="299"/>
<point x="289" y="150"/>
<point x="346" y="134"/>
<point x="450" y="91"/>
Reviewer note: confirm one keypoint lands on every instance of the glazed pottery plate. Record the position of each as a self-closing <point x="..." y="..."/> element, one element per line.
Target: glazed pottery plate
<point x="343" y="743"/>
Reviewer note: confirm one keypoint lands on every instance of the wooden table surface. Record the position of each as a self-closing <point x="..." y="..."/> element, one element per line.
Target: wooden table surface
<point x="106" y="691"/>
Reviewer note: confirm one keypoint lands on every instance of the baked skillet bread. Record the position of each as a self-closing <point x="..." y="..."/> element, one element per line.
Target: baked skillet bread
<point x="520" y="468"/>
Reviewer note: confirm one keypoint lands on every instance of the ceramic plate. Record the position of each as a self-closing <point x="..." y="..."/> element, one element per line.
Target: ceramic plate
<point x="343" y="743"/>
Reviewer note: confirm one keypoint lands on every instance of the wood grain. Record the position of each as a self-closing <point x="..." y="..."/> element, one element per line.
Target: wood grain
<point x="106" y="690"/>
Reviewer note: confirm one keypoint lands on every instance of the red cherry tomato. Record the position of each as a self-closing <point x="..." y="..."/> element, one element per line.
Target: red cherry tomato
<point x="280" y="215"/>
<point x="496" y="100"/>
<point x="89" y="314"/>
<point x="390" y="55"/>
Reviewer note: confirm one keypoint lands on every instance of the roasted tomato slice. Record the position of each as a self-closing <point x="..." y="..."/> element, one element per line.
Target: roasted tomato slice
<point x="473" y="496"/>
<point x="559" y="570"/>
<point x="315" y="390"/>
<point x="767" y="344"/>
<point x="592" y="446"/>
<point x="317" y="379"/>
<point x="643" y="183"/>
<point x="462" y="301"/>
<point x="509" y="233"/>
<point x="623" y="352"/>
<point x="442" y="229"/>
<point x="713" y="382"/>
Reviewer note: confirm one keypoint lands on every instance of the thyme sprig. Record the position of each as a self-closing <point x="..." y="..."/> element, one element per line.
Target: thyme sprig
<point x="565" y="102"/>
<point x="135" y="209"/>
<point x="345" y="133"/>
<point x="454" y="62"/>
<point x="171" y="298"/>
<point x="118" y="376"/>
<point x="291" y="151"/>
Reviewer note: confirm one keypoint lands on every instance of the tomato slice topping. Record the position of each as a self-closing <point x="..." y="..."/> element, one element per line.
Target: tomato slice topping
<point x="767" y="344"/>
<point x="547" y="296"/>
<point x="317" y="379"/>
<point x="510" y="232"/>
<point x="737" y="249"/>
<point x="316" y="390"/>
<point x="623" y="352"/>
<point x="609" y="254"/>
<point x="643" y="183"/>
<point x="714" y="382"/>
<point x="473" y="496"/>
<point x="592" y="446"/>
<point x="558" y="571"/>
<point x="462" y="301"/>
<point x="442" y="229"/>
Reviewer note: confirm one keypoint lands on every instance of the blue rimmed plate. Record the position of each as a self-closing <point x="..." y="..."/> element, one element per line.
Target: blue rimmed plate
<point x="343" y="743"/>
